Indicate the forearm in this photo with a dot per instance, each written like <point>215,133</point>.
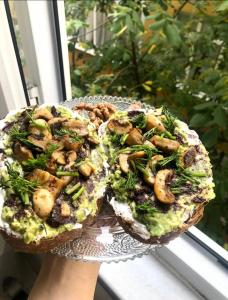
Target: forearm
<point>60,278</point>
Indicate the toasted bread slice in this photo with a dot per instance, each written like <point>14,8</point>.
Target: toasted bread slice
<point>51,177</point>
<point>160,174</point>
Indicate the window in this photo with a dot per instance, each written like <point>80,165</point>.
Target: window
<point>115,49</point>
<point>105,58</point>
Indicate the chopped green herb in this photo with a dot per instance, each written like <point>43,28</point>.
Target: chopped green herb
<point>21,186</point>
<point>78,194</point>
<point>154,131</point>
<point>169,120</point>
<point>41,160</point>
<point>127,183</point>
<point>145,208</point>
<point>168,159</point>
<point>67,173</point>
<point>139,121</point>
<point>148,150</point>
<point>74,136</point>
<point>118,139</point>
<point>73,188</point>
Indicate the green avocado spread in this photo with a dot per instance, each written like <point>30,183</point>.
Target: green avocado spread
<point>31,227</point>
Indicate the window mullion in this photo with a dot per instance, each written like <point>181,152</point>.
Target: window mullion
<point>12,94</point>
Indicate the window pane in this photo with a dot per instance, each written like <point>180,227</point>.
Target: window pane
<point>173,54</point>
<point>19,42</point>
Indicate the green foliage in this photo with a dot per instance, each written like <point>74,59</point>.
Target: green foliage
<point>178,59</point>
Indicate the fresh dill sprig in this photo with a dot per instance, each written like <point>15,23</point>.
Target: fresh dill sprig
<point>168,159</point>
<point>169,120</point>
<point>41,160</point>
<point>184,178</point>
<point>21,186</point>
<point>145,208</point>
<point>154,131</point>
<point>73,135</point>
<point>139,121</point>
<point>127,183</point>
<point>20,136</point>
<point>149,152</point>
<point>118,139</point>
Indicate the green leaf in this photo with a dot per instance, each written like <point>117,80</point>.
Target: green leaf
<point>157,25</point>
<point>154,16</point>
<point>129,23</point>
<point>220,116</point>
<point>223,6</point>
<point>199,119</point>
<point>172,33</point>
<point>202,106</point>
<point>210,138</point>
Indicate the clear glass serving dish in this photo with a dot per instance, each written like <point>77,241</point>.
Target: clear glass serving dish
<point>105,240</point>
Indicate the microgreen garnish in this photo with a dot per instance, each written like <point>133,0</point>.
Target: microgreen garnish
<point>21,186</point>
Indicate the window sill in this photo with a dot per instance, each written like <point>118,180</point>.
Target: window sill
<point>180,270</point>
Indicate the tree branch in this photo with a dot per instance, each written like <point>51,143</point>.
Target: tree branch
<point>180,8</point>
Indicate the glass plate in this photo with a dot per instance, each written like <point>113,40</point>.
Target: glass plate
<point>105,240</point>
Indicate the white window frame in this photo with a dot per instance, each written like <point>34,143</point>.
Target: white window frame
<point>183,255</point>
<point>12,94</point>
<point>38,37</point>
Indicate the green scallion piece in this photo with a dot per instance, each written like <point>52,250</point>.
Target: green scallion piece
<point>66,173</point>
<point>73,188</point>
<point>78,194</point>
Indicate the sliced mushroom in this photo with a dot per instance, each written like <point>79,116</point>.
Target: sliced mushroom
<point>161,188</point>
<point>60,144</point>
<point>42,113</point>
<point>21,152</point>
<point>85,169</point>
<point>136,155</point>
<point>59,157</point>
<point>39,143</point>
<point>187,157</point>
<point>67,179</point>
<point>123,161</point>
<point>70,144</point>
<point>154,160</point>
<point>119,126</point>
<point>149,144</point>
<point>71,156</point>
<point>65,209</point>
<point>93,139</point>
<point>43,202</point>
<point>78,126</point>
<point>154,122</point>
<point>134,137</point>
<point>52,183</point>
<point>51,166</point>
<point>164,143</point>
<point>149,179</point>
<point>56,120</point>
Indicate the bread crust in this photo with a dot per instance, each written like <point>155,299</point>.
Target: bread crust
<point>46,245</point>
<point>166,238</point>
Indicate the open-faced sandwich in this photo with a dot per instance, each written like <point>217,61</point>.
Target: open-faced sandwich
<point>160,173</point>
<point>51,176</point>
